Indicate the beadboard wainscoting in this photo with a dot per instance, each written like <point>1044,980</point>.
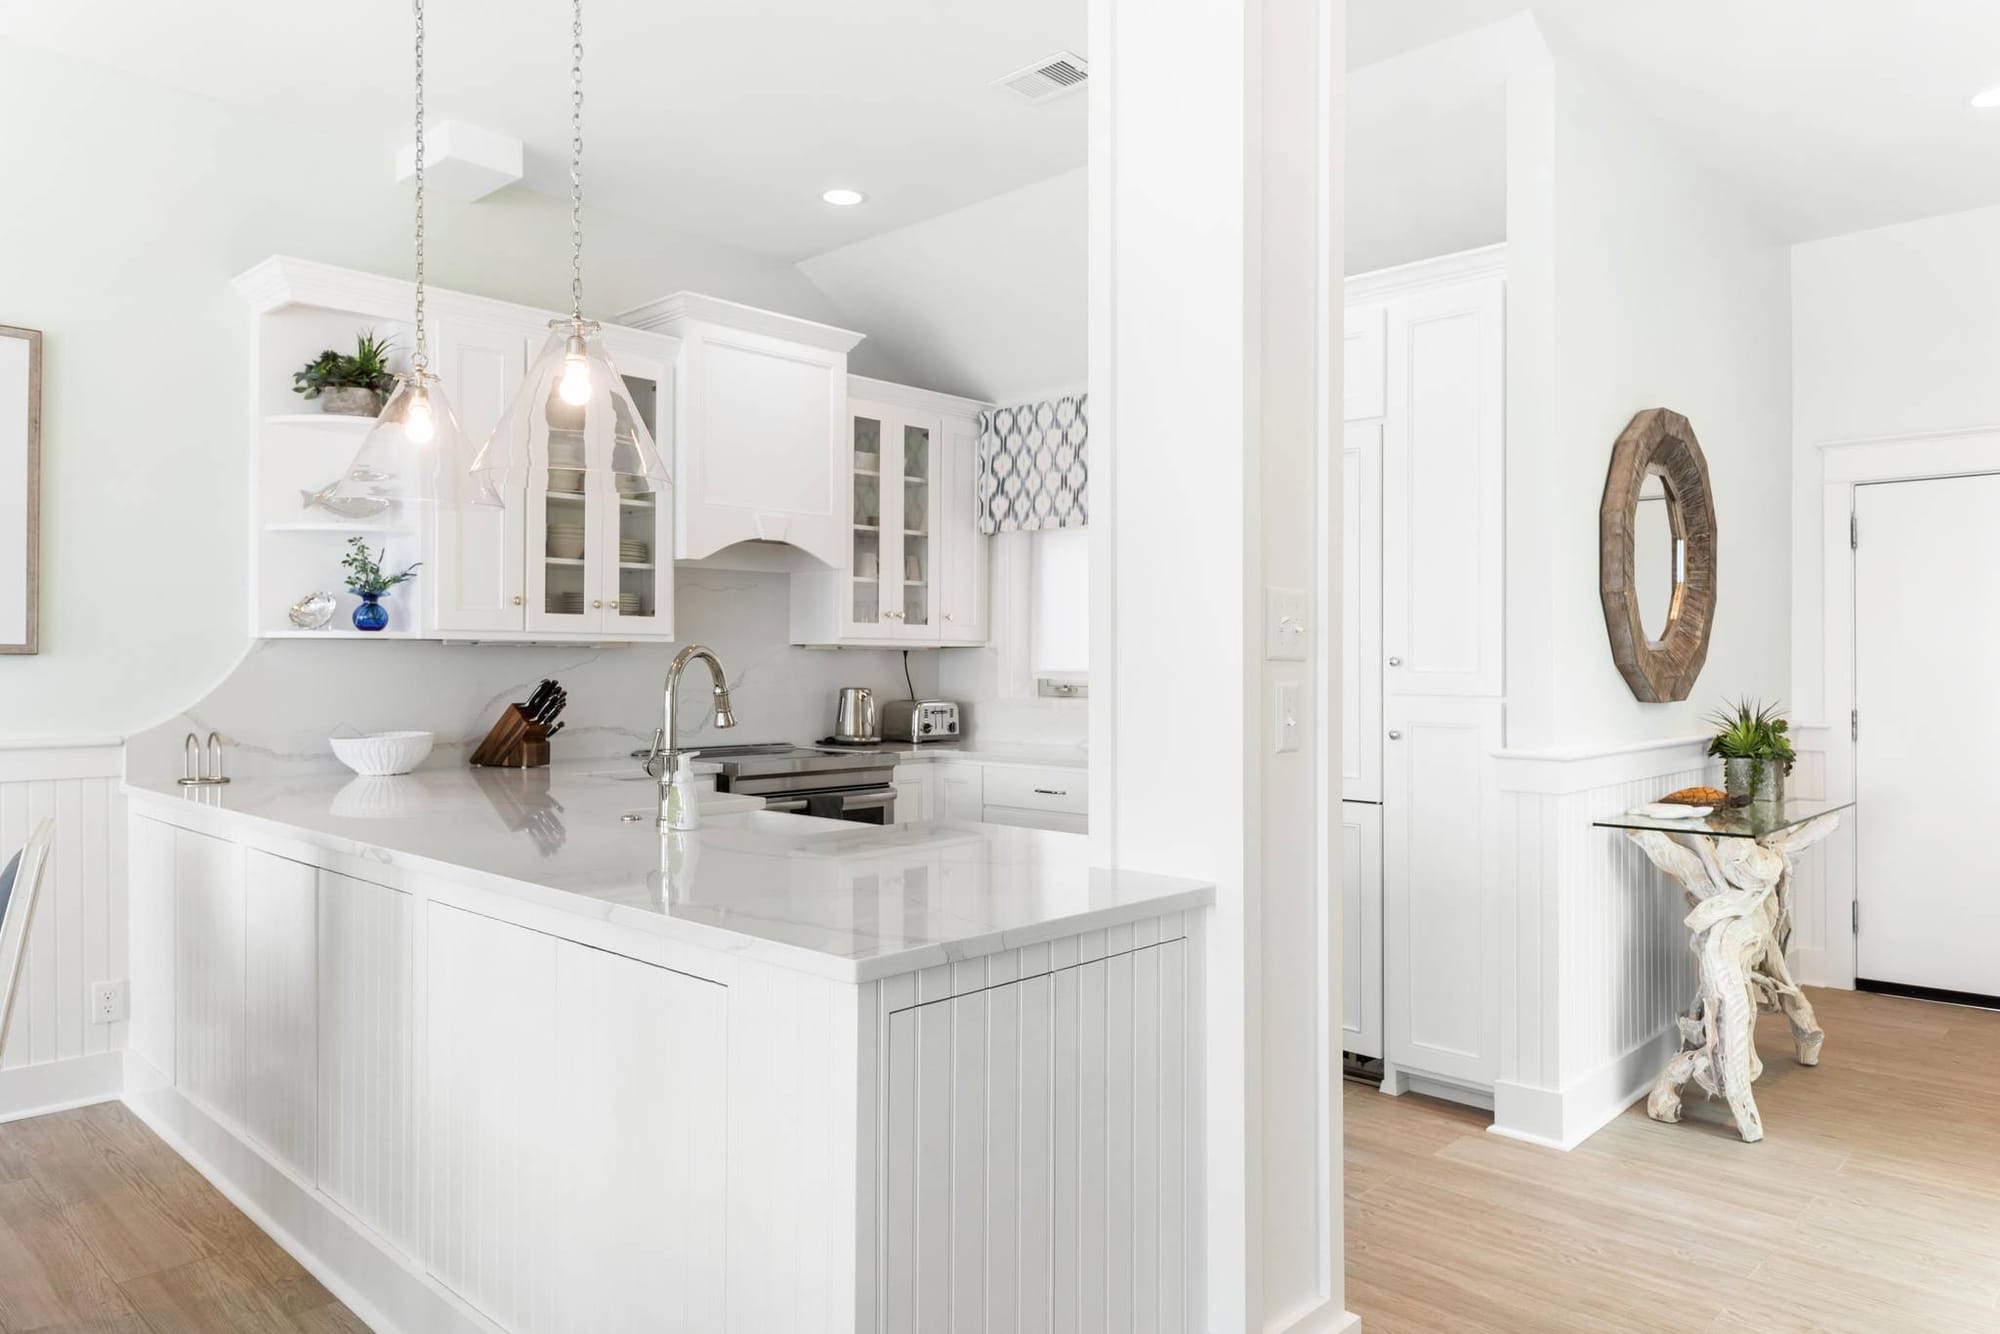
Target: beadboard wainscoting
<point>52,1055</point>
<point>1597,965</point>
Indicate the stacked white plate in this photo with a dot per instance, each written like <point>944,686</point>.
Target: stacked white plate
<point>634,553</point>
<point>629,604</point>
<point>566,604</point>
<point>566,481</point>
<point>566,541</point>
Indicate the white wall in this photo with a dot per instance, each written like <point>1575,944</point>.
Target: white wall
<point>1642,282</point>
<point>1427,153</point>
<point>986,301</point>
<point>129,208</point>
<point>1896,332</point>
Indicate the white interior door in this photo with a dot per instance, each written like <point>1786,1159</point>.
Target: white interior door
<point>1926,581</point>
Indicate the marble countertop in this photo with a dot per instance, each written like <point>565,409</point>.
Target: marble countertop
<point>844,901</point>
<point>1054,757</point>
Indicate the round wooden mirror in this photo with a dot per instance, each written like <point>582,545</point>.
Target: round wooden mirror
<point>1656,556</point>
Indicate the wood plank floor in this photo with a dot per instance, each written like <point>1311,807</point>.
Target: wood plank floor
<point>103,1228</point>
<point>1873,1202</point>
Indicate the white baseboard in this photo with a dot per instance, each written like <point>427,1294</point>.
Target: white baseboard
<point>387,1292</point>
<point>1564,1118</point>
<point>57,1086</point>
<point>1322,1318</point>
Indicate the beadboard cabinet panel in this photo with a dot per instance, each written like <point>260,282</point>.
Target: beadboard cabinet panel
<point>208,974</point>
<point>367,1135</point>
<point>281,1009</point>
<point>1037,1174</point>
<point>1361,927</point>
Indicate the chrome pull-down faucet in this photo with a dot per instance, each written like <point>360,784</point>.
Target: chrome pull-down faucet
<point>666,746</point>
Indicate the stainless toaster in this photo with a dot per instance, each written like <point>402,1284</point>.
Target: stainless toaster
<point>920,720</point>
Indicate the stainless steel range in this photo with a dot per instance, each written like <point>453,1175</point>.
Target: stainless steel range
<point>834,785</point>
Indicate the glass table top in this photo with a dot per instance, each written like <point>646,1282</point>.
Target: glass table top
<point>1754,821</point>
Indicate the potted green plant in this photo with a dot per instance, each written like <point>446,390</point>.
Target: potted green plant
<point>1751,739</point>
<point>366,580</point>
<point>349,385</point>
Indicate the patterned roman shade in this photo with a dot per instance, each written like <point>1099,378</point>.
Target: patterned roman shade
<point>1034,466</point>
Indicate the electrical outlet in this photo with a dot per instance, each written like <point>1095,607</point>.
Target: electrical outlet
<point>108,1003</point>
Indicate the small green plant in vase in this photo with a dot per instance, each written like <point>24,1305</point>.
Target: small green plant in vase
<point>367,581</point>
<point>349,385</point>
<point>1752,740</point>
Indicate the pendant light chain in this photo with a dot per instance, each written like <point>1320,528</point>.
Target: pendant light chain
<point>420,358</point>
<point>575,160</point>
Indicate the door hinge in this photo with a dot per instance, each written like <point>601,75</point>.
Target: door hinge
<point>1854,724</point>
<point>1853,531</point>
<point>1854,917</point>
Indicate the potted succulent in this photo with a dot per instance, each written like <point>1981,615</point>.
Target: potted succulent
<point>355,385</point>
<point>1751,741</point>
<point>366,581</point>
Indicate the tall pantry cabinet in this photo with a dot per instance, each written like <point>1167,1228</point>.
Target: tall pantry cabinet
<point>1423,474</point>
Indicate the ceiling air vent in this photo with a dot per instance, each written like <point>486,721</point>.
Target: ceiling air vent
<point>1049,77</point>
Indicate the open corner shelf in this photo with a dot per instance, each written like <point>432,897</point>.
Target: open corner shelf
<point>331,633</point>
<point>339,526</point>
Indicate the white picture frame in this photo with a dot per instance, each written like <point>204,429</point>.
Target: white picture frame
<point>20,489</point>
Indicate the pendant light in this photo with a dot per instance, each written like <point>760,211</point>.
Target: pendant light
<point>397,463</point>
<point>574,414</point>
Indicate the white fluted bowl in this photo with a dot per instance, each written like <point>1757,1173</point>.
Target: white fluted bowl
<point>382,753</point>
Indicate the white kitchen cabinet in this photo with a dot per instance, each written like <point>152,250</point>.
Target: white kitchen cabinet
<point>761,440</point>
<point>617,581</point>
<point>1443,492</point>
<point>1438,814</point>
<point>589,1200</point>
<point>1361,928</point>
<point>365,1094</point>
<point>960,793</point>
<point>914,799</point>
<point>281,1009</point>
<point>1037,798</point>
<point>208,974</point>
<point>151,859</point>
<point>1361,613</point>
<point>1036,1176</point>
<point>914,571</point>
<point>478,567</point>
<point>964,552</point>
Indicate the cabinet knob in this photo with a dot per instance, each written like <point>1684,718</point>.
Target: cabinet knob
<point>1394,735</point>
<point>1395,662</point>
<point>517,599</point>
<point>597,602</point>
<point>947,616</point>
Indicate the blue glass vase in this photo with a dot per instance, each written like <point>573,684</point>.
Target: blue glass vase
<point>371,614</point>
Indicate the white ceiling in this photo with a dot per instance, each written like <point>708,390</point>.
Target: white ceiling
<point>1831,115</point>
<point>723,117</point>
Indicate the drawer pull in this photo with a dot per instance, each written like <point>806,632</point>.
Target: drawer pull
<point>1051,792</point>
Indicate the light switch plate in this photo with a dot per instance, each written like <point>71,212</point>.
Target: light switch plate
<point>1285,716</point>
<point>1284,625</point>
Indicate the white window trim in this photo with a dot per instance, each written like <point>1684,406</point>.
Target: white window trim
<point>1013,576</point>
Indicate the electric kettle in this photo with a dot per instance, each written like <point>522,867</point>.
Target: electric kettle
<point>854,717</point>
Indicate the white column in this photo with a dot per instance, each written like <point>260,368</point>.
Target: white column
<point>1215,289</point>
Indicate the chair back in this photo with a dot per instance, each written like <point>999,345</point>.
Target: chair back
<point>20,886</point>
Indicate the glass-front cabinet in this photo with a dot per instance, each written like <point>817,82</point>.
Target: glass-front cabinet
<point>891,570</point>
<point>599,549</point>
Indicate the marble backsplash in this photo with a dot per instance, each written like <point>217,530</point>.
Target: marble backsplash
<point>282,701</point>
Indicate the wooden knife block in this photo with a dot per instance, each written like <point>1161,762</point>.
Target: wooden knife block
<point>516,742</point>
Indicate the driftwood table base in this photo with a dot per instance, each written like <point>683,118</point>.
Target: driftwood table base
<point>1739,895</point>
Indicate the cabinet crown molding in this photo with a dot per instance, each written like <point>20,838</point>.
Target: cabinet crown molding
<point>909,396</point>
<point>671,313</point>
<point>1427,274</point>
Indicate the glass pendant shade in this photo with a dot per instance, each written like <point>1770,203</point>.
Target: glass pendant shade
<point>573,419</point>
<point>397,464</point>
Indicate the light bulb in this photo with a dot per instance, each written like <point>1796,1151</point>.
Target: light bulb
<point>575,385</point>
<point>419,422</point>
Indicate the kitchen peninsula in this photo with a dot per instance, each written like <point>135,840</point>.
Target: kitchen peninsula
<point>490,1052</point>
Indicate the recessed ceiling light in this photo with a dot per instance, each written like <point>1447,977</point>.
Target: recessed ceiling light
<point>1988,98</point>
<point>843,198</point>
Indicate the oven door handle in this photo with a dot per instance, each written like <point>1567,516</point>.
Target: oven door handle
<point>794,805</point>
<point>868,801</point>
